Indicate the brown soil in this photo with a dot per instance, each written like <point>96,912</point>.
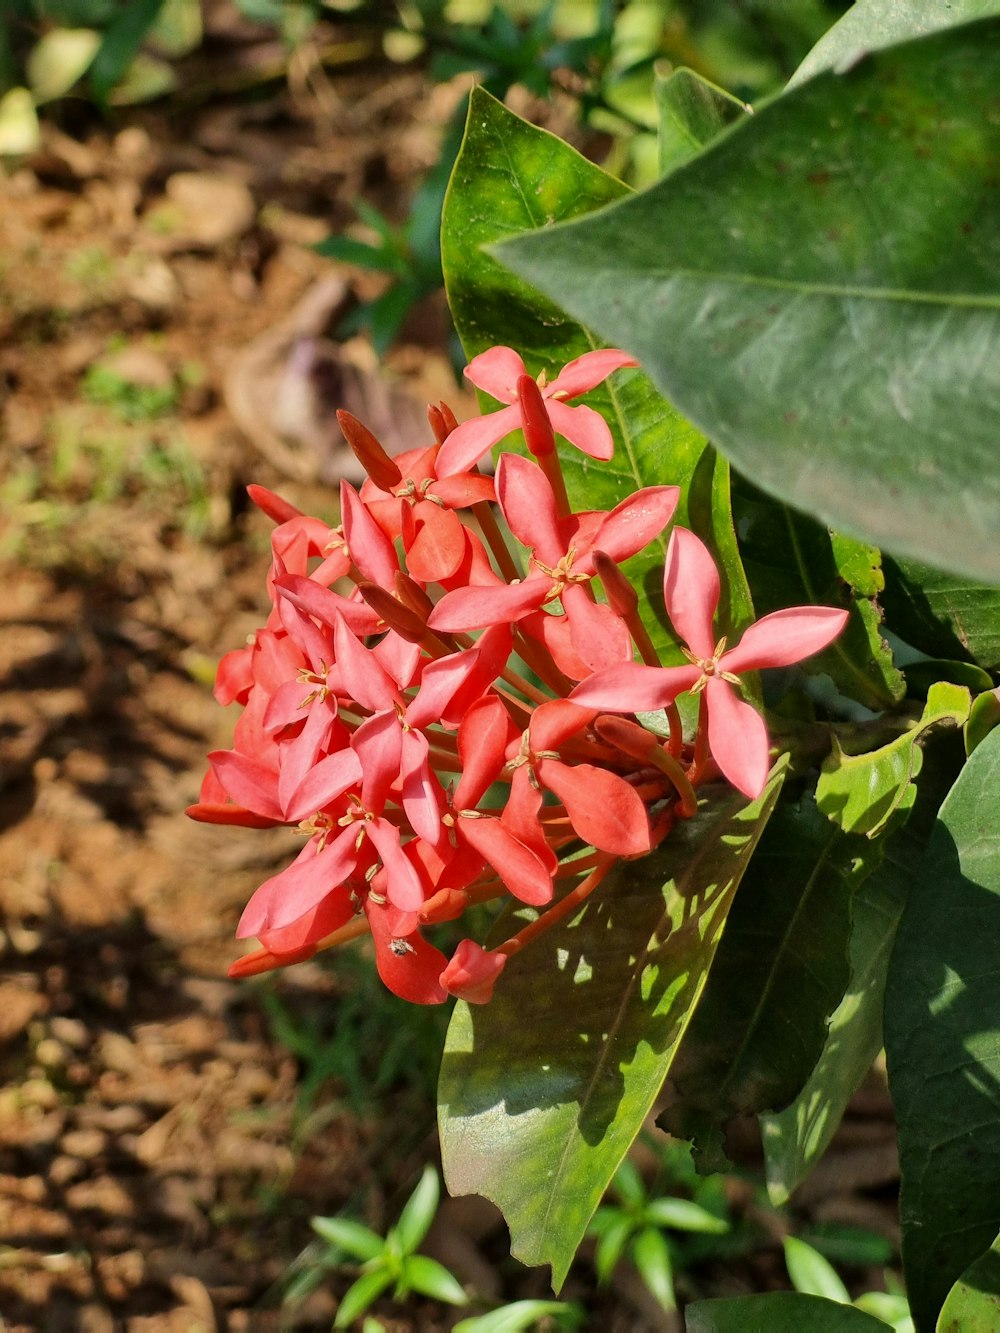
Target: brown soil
<point>158,1165</point>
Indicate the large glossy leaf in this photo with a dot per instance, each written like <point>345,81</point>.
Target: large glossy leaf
<point>941,614</point>
<point>791,559</point>
<point>778,1310</point>
<point>822,297</point>
<point>543,1090</point>
<point>511,178</point>
<point>973,1304</point>
<point>780,972</point>
<point>942,1036</point>
<point>871,24</point>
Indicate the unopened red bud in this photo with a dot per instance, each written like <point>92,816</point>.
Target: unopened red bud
<point>410,593</point>
<point>372,457</point>
<point>263,960</point>
<point>622,597</point>
<point>277,509</point>
<point>627,736</point>
<point>445,905</point>
<point>535,423</point>
<point>442,421</point>
<point>405,622</point>
<point>472,972</point>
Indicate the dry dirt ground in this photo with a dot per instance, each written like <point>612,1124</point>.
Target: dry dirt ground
<point>162,334</point>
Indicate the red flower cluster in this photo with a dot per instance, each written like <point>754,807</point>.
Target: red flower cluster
<point>388,718</point>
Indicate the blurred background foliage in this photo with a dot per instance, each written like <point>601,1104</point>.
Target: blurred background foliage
<point>60,57</point>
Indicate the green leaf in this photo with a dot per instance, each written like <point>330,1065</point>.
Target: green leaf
<point>811,1273</point>
<point>652,1258</point>
<point>984,715</point>
<point>512,178</point>
<point>973,1304</point>
<point>891,1307</point>
<point>552,1080</point>
<point>942,615</point>
<point>418,1211</point>
<point>792,560</point>
<point>522,1315</point>
<point>942,1035</point>
<point>19,130</point>
<point>796,1138</point>
<point>628,1185</point>
<point>778,1310</point>
<point>432,1279</point>
<point>352,1237</point>
<point>58,59</point>
<point>611,1246</point>
<point>861,792</point>
<point>780,971</point>
<point>923,675</point>
<point>360,1295</point>
<point>692,112</point>
<point>686,1215</point>
<point>870,25</point>
<point>120,45</point>
<point>805,287</point>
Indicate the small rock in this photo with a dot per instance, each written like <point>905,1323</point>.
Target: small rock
<point>19,1003</point>
<point>212,209</point>
<point>70,1031</point>
<point>83,1143</point>
<point>64,1170</point>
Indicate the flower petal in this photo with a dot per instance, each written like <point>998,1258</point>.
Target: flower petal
<point>518,866</point>
<point>323,783</point>
<point>468,442</point>
<point>248,782</point>
<point>632,688</point>
<point>583,427</point>
<point>482,740</point>
<point>602,807</point>
<point>408,965</point>
<point>785,637</point>
<point>286,896</point>
<point>585,372</point>
<point>438,544</point>
<point>474,608</point>
<point>737,739</point>
<point>529,507</point>
<point>496,372</point>
<point>691,591</point>
<point>634,523</point>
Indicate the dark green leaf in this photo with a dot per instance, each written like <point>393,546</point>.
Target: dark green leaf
<point>122,38</point>
<point>628,1185</point>
<point>942,615</point>
<point>778,1310</point>
<point>973,1304</point>
<point>942,1035</point>
<point>792,560</point>
<point>861,792</point>
<point>871,24</point>
<point>692,112</point>
<point>923,675</point>
<point>432,1279</point>
<point>806,287</point>
<point>512,178</point>
<point>780,971</point>
<point>796,1138</point>
<point>552,1080</point>
<point>811,1273</point>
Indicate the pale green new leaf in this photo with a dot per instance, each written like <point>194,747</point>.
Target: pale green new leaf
<point>860,793</point>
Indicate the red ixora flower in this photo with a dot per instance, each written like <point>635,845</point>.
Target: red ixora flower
<point>737,737</point>
<point>497,372</point>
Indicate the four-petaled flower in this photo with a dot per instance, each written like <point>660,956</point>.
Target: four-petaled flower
<point>497,371</point>
<point>737,737</point>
